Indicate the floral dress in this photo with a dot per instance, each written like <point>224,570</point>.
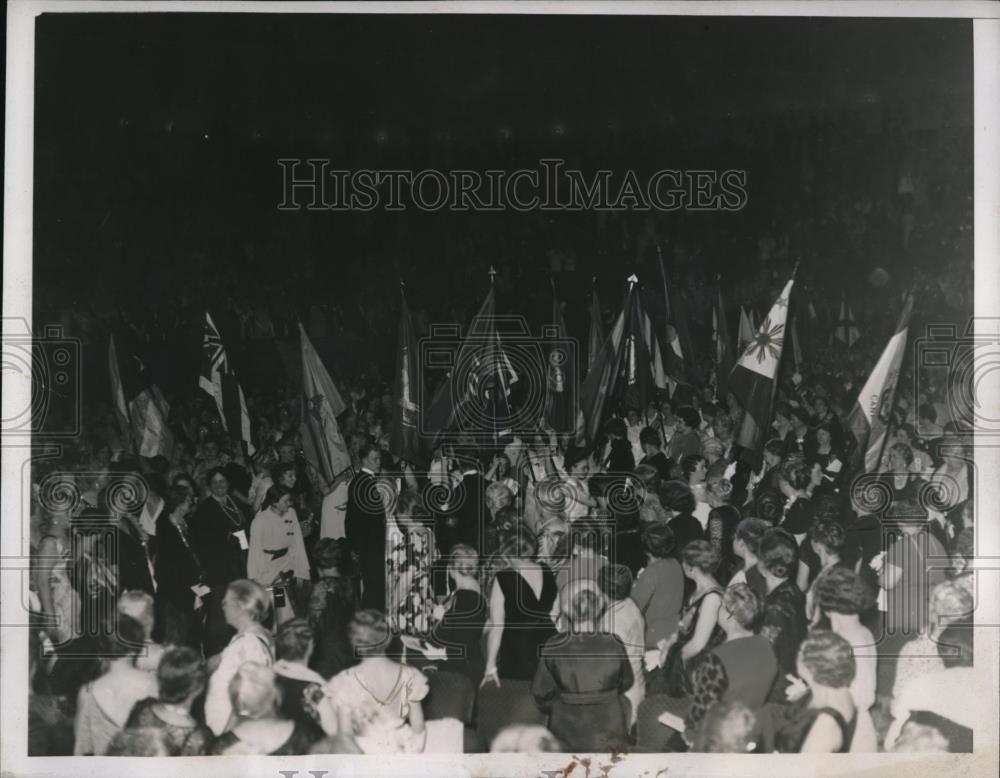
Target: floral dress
<point>411,590</point>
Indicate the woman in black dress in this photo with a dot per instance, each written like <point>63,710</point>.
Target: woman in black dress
<point>179,611</point>
<point>798,514</point>
<point>460,629</point>
<point>332,604</point>
<point>522,619</point>
<point>825,719</point>
<point>219,531</point>
<point>903,484</point>
<point>699,629</point>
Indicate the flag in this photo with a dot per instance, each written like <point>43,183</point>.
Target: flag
<point>754,377</point>
<point>476,392</point>
<point>118,399</point>
<point>723,347</point>
<point>561,379</point>
<point>796,346</point>
<point>678,344</point>
<point>624,371</point>
<point>600,380</point>
<point>404,435</point>
<point>219,380</point>
<point>139,404</point>
<point>869,419</point>
<point>322,442</point>
<point>596,340</point>
<point>661,378</point>
<point>746,331</point>
<point>846,331</point>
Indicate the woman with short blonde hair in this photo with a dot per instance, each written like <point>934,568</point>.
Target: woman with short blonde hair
<point>583,674</point>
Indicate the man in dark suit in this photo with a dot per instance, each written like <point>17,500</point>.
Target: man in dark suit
<point>364,525</point>
<point>470,498</point>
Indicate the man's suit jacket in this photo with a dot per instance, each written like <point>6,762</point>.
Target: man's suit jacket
<point>364,529</point>
<point>471,493</point>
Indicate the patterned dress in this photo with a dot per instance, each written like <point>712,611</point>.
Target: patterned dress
<point>411,591</point>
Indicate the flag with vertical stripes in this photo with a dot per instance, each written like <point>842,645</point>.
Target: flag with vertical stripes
<point>869,419</point>
<point>219,380</point>
<point>755,375</point>
<point>139,404</point>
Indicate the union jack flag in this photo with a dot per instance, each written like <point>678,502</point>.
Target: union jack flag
<point>220,382</point>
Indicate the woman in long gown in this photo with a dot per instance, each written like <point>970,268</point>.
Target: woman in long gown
<point>409,566</point>
<point>522,618</point>
<point>377,702</point>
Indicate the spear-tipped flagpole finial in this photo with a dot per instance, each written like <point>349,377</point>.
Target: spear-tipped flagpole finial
<point>632,280</point>
<point>492,274</point>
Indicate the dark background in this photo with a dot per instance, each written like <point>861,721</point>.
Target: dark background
<point>156,183</point>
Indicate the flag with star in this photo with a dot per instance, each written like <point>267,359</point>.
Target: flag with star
<point>322,442</point>
<point>754,377</point>
<point>219,380</point>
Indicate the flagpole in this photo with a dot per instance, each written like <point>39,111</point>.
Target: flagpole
<point>666,297</point>
<point>492,273</point>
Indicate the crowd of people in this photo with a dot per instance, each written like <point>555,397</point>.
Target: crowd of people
<point>648,593</point>
<point>651,593</point>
